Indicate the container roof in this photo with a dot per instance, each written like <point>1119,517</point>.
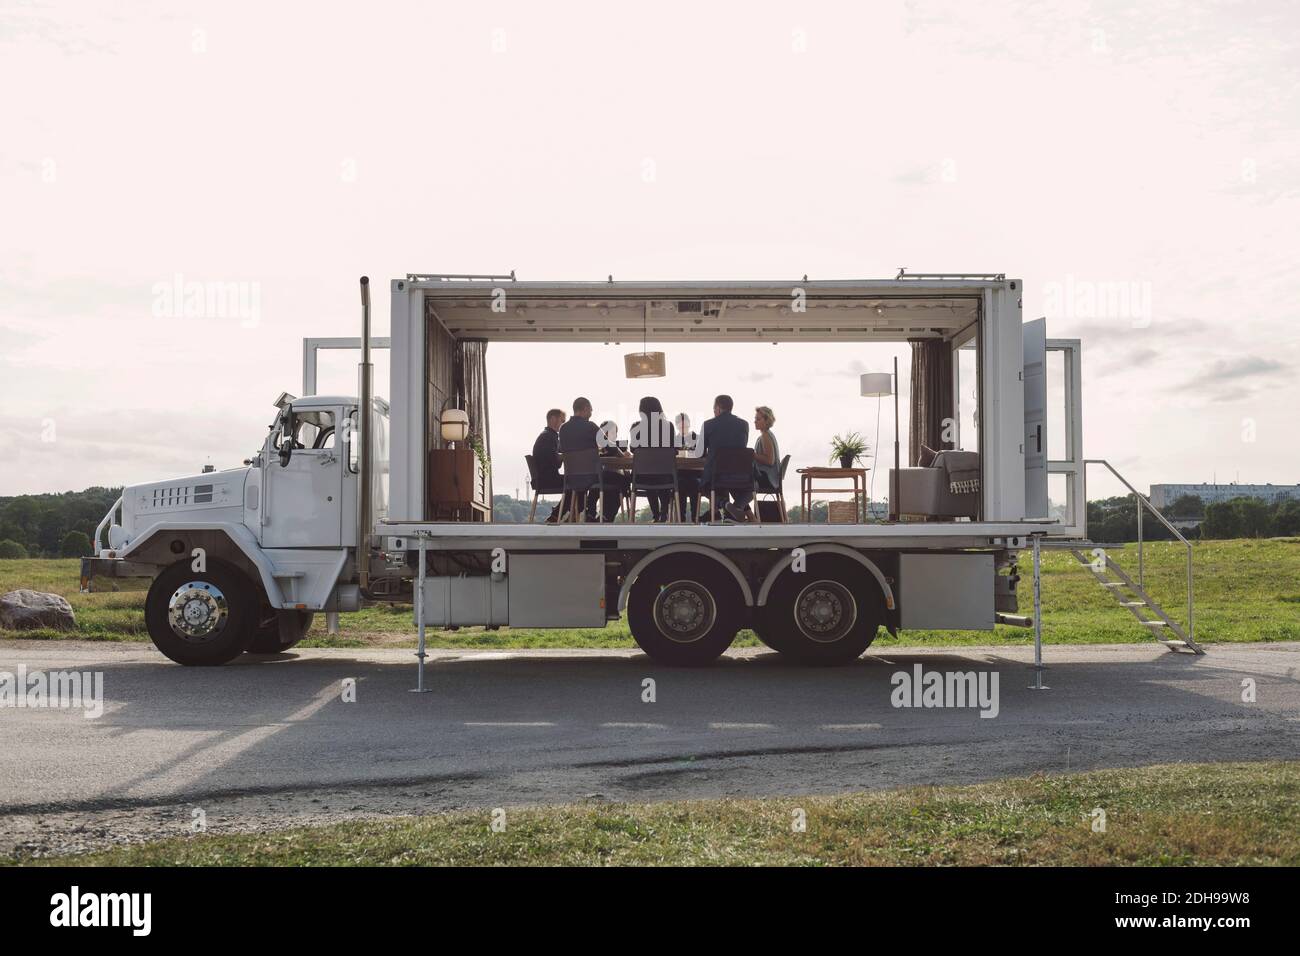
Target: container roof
<point>714,311</point>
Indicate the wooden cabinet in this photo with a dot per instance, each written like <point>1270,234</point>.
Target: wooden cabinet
<point>457,486</point>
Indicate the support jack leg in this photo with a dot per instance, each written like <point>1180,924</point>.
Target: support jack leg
<point>1039,666</point>
<point>419,687</point>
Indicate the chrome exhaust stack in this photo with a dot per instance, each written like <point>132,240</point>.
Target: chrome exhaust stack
<point>365,501</point>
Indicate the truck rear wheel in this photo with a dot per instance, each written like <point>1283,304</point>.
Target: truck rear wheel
<point>827,614</point>
<point>684,611</point>
<point>201,618</point>
<point>281,632</point>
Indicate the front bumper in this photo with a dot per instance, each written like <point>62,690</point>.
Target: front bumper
<point>132,572</point>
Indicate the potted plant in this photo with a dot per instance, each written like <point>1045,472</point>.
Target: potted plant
<point>480,453</point>
<point>848,449</point>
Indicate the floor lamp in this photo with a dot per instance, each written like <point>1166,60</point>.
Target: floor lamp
<point>877,385</point>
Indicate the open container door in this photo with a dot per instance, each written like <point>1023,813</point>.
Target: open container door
<point>1035,445</point>
<point>1074,521</point>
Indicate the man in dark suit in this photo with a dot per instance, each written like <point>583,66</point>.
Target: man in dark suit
<point>546,456</point>
<point>723,430</point>
<point>579,433</point>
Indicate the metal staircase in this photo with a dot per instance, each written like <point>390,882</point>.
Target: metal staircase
<point>1132,594</point>
<point>1135,599</point>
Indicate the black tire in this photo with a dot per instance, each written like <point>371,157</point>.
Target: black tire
<point>767,630</point>
<point>220,610</point>
<point>684,611</point>
<point>826,615</point>
<point>283,631</point>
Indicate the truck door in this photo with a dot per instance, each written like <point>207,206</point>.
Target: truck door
<point>1035,445</point>
<point>302,501</point>
<point>1065,465</point>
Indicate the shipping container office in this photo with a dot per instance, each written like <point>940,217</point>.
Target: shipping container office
<point>929,571</point>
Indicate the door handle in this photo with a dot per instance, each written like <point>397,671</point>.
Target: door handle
<point>1040,439</point>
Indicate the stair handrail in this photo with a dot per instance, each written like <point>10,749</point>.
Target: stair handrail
<point>1145,502</point>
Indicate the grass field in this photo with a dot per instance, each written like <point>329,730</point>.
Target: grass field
<point>1186,814</point>
<point>1247,590</point>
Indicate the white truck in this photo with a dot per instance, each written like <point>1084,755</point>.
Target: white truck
<point>337,507</point>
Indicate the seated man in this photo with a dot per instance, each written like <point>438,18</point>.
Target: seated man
<point>579,433</point>
<point>723,430</point>
<point>546,456</point>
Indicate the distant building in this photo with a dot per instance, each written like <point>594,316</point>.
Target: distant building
<point>1162,496</point>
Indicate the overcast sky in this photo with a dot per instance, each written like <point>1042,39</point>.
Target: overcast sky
<point>1082,147</point>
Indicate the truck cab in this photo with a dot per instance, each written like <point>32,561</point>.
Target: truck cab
<point>307,476</point>
<point>241,559</point>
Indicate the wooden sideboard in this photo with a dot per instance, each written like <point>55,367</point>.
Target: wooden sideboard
<point>458,489</point>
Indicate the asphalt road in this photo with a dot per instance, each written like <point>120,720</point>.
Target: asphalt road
<point>270,741</point>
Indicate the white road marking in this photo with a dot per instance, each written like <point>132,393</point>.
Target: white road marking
<point>619,725</point>
<point>509,723</point>
<point>730,726</point>
<point>850,727</point>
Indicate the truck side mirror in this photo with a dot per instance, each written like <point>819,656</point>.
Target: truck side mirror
<point>285,422</point>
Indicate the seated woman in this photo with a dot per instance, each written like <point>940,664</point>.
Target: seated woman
<point>653,430</point>
<point>767,453</point>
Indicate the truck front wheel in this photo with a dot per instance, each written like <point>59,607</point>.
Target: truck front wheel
<point>684,611</point>
<point>201,618</point>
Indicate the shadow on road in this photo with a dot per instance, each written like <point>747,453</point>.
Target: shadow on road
<point>271,724</point>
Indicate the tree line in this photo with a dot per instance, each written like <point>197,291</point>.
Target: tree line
<point>1115,519</point>
<point>61,525</point>
<point>52,526</point>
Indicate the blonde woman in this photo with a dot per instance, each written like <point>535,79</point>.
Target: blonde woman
<point>767,453</point>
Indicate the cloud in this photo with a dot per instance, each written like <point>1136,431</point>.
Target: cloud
<point>1126,362</point>
<point>1116,333</point>
<point>1229,395</point>
<point>1241,367</point>
<point>1234,379</point>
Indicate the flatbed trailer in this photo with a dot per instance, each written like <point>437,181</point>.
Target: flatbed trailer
<point>339,505</point>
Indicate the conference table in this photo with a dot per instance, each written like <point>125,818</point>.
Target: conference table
<point>610,463</point>
<point>686,464</point>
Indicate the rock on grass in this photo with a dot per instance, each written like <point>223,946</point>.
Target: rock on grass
<point>27,610</point>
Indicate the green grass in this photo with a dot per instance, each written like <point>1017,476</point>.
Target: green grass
<point>1187,814</point>
<point>1247,590</point>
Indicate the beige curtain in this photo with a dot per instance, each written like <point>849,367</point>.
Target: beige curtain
<point>472,390</point>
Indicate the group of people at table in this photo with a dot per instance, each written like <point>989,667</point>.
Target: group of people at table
<point>564,435</point>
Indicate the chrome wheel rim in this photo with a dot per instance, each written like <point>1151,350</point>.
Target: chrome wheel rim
<point>825,611</point>
<point>197,611</point>
<point>684,611</point>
